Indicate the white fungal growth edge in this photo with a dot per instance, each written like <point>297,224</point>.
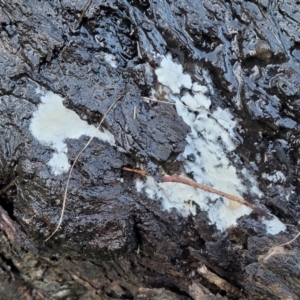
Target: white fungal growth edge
<point>274,225</point>
<point>277,176</point>
<point>211,140</point>
<point>52,123</point>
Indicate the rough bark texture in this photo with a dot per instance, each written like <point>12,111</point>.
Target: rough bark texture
<point>115,243</point>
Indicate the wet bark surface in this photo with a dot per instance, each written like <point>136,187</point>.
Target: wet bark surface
<point>115,243</point>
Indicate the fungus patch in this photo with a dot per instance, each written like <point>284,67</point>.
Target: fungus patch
<point>275,177</point>
<point>52,123</point>
<point>274,225</point>
<point>209,156</point>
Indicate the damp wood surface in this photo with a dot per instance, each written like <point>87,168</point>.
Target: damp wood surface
<point>114,241</point>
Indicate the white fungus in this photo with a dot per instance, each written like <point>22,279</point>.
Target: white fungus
<point>277,176</point>
<point>52,124</point>
<point>274,226</point>
<point>111,60</point>
<point>175,79</point>
<point>210,143</point>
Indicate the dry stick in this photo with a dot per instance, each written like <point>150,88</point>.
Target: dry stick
<point>292,240</point>
<point>72,167</point>
<point>279,248</point>
<point>189,182</point>
<point>179,179</point>
<point>141,172</point>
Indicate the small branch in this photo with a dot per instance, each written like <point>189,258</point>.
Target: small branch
<point>292,240</point>
<point>179,179</point>
<point>141,172</point>
<point>280,248</point>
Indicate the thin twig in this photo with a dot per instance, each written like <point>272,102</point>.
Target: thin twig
<point>141,172</point>
<point>72,167</point>
<point>275,249</point>
<point>292,240</point>
<point>179,179</point>
<point>280,249</point>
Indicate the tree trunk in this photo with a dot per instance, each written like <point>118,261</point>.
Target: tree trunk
<point>163,78</point>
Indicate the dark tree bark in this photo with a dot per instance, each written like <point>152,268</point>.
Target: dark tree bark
<point>116,242</point>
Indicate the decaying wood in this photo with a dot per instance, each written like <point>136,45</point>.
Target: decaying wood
<point>198,292</point>
<point>218,281</point>
<point>7,225</point>
<point>196,254</point>
<point>7,187</point>
<point>116,244</point>
<point>159,294</point>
